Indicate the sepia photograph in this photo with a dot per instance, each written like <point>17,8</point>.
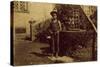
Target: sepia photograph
<point>52,33</point>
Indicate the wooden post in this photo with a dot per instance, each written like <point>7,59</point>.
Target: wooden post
<point>93,46</point>
<point>31,23</point>
<point>30,30</point>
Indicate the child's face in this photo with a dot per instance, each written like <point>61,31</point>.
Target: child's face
<point>54,16</point>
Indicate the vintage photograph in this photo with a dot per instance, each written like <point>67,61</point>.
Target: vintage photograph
<point>51,33</point>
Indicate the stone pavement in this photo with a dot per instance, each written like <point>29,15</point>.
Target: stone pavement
<point>28,52</point>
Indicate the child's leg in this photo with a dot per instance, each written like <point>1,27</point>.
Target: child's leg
<point>53,45</point>
<point>57,44</point>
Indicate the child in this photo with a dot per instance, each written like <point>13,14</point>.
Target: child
<point>55,27</point>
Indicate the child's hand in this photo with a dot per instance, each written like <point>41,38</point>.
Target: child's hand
<point>48,37</point>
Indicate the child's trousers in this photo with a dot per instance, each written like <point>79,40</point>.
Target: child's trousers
<point>55,43</point>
